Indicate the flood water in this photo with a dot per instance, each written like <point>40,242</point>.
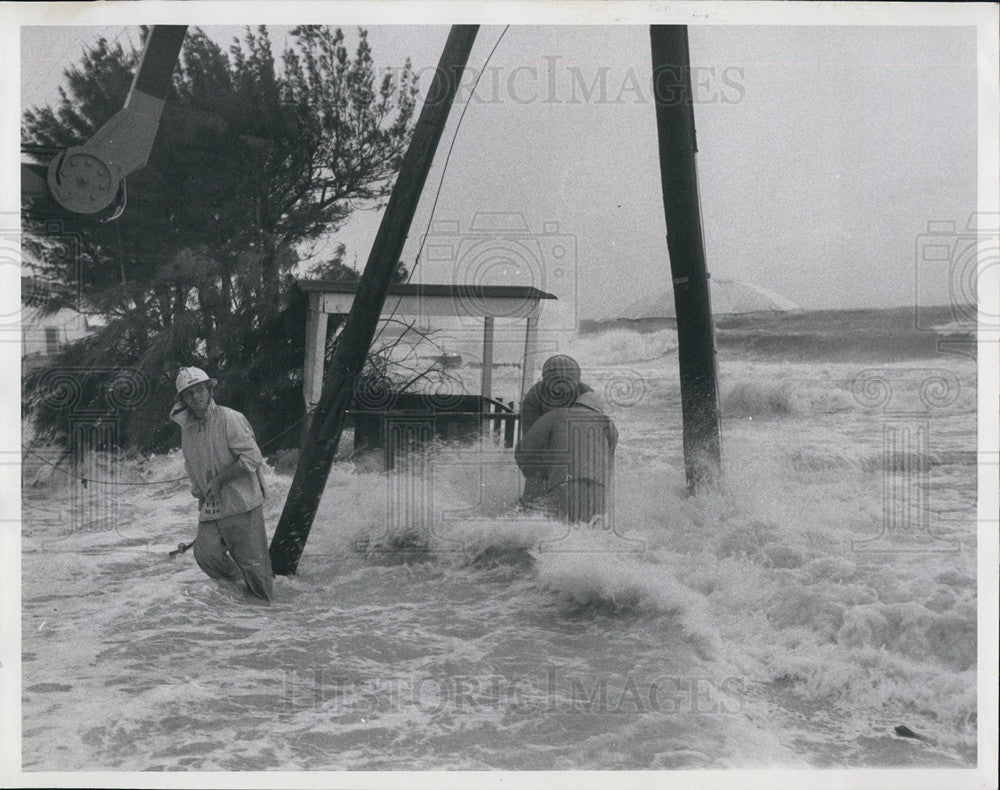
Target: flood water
<point>825,595</point>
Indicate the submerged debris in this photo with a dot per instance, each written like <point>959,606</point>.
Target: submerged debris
<point>905,732</point>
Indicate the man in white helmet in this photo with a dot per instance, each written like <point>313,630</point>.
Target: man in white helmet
<point>223,462</point>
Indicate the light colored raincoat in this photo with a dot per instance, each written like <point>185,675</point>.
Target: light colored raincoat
<point>210,446</point>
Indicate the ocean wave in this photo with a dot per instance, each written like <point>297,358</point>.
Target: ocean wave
<point>618,345</point>
<point>831,344</point>
<point>759,399</point>
<point>912,629</point>
<point>760,577</point>
<point>606,579</point>
<point>964,328</point>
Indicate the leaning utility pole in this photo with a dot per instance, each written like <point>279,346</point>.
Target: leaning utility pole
<point>686,245</point>
<point>327,420</point>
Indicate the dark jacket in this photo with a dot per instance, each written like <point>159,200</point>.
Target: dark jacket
<point>542,398</point>
<point>575,442</point>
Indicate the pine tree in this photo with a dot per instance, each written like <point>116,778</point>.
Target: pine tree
<point>249,162</point>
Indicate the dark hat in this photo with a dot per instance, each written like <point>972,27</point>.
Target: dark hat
<point>561,367</point>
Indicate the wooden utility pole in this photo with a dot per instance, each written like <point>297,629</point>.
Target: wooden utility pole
<point>327,420</point>
<point>685,243</point>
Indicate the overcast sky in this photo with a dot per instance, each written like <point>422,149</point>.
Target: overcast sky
<point>823,154</point>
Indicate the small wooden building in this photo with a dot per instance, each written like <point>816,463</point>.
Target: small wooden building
<point>487,302</point>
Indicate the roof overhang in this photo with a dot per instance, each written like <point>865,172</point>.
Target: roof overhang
<point>495,301</point>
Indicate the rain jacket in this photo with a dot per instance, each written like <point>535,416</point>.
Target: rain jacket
<point>542,398</point>
<point>571,443</point>
<point>210,446</point>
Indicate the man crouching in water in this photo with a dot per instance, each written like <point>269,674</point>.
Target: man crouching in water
<point>571,449</point>
<point>223,462</point>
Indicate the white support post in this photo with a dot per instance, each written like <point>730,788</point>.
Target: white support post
<point>312,370</point>
<point>486,386</point>
<point>486,381</point>
<point>528,364</point>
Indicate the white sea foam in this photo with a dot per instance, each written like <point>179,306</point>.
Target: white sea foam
<point>837,621</point>
<point>622,346</point>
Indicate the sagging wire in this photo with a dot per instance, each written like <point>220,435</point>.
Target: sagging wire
<point>386,322</point>
<point>87,480</point>
<point>444,171</point>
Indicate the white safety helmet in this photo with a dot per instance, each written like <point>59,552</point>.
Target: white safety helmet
<point>188,377</point>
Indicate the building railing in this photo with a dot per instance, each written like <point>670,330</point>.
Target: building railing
<point>409,426</point>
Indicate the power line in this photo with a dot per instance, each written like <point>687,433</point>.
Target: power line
<point>87,480</point>
<point>437,195</point>
<point>444,170</point>
<point>99,482</point>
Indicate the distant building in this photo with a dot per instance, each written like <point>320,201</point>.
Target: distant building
<point>43,335</point>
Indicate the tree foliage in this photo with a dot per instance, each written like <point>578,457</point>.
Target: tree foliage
<point>250,162</point>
